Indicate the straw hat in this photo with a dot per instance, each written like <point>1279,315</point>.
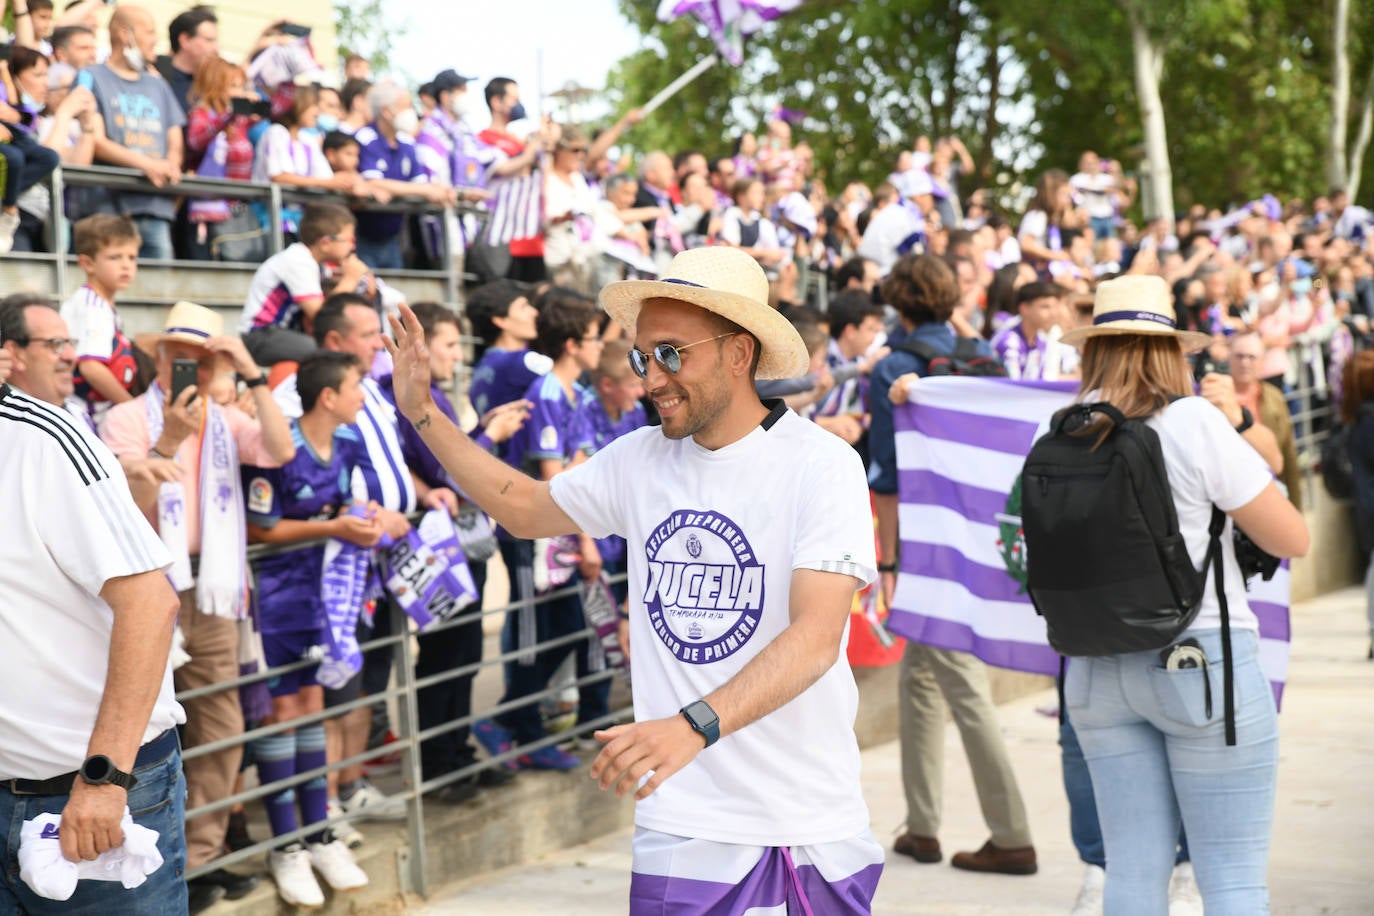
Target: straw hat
<point>1135,304</point>
<point>725,281</point>
<point>191,323</point>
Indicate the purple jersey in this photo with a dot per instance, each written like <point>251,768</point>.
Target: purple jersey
<point>306,488</point>
<point>555,429</point>
<point>502,376</point>
<point>599,430</point>
<point>377,159</point>
<point>1022,359</point>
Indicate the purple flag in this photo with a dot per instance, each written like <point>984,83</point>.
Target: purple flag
<point>728,21</point>
<point>961,443</point>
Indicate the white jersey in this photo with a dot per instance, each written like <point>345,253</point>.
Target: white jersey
<point>70,526</point>
<point>713,539</point>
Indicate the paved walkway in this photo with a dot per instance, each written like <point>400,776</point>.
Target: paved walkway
<point>1323,852</point>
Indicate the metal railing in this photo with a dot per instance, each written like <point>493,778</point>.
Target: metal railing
<point>273,197</point>
<point>409,736</point>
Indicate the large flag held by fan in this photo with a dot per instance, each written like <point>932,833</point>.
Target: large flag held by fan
<point>961,584</point>
<point>728,21</point>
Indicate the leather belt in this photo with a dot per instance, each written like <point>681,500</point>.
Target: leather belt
<point>62,785</point>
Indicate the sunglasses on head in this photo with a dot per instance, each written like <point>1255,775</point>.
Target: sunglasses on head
<point>667,356</point>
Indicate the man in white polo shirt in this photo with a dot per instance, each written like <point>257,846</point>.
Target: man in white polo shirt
<point>743,564</point>
<point>87,714</point>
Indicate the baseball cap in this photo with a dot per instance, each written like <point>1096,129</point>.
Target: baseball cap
<point>445,80</point>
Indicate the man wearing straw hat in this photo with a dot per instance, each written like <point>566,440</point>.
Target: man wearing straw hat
<point>748,532</point>
<point>183,457</point>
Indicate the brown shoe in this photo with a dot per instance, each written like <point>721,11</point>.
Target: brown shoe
<point>996,859</point>
<point>924,849</point>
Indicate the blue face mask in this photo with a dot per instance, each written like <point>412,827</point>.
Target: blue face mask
<point>518,112</point>
<point>29,102</point>
<point>325,123</point>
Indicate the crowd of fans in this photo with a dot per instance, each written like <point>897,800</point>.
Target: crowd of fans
<point>1285,290</point>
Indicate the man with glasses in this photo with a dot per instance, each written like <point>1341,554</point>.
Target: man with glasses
<point>748,531</point>
<point>87,715</point>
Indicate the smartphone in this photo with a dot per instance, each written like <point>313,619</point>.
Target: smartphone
<point>184,375</point>
<point>242,106</point>
<point>5,52</point>
<point>295,31</point>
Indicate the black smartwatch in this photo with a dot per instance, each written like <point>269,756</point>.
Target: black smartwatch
<point>1247,420</point>
<point>703,720</point>
<point>99,770</point>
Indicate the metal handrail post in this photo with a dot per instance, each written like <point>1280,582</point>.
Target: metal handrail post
<point>453,262</point>
<point>274,215</point>
<point>58,221</point>
<point>412,862</point>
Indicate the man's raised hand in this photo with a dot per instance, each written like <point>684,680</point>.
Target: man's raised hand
<point>411,378</point>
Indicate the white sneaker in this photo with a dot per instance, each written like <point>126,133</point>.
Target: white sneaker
<point>1089,902</point>
<point>372,803</point>
<point>336,863</point>
<point>1184,897</point>
<point>296,883</point>
<point>9,225</point>
<point>343,830</point>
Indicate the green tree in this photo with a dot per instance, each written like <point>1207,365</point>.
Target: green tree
<point>361,28</point>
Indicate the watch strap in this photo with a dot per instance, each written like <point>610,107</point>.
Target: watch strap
<point>1247,420</point>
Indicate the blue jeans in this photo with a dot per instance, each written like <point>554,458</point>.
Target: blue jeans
<point>1156,756</point>
<point>157,802</point>
<point>157,238</point>
<point>26,162</point>
<point>381,254</point>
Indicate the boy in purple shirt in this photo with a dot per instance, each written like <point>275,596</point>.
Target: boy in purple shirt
<point>1021,344</point>
<point>305,499</point>
<point>505,321</point>
<point>552,439</point>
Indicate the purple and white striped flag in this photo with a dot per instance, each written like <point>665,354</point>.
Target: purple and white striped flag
<point>960,446</point>
<point>728,21</point>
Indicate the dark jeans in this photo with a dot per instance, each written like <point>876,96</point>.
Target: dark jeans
<point>269,346</point>
<point>381,254</point>
<point>26,162</point>
<point>1078,786</point>
<point>157,802</point>
<point>553,618</point>
<point>446,701</point>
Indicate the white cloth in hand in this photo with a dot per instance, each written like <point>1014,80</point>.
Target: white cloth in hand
<point>50,875</point>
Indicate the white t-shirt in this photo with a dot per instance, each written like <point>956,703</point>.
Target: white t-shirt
<point>70,526</point>
<point>277,288</point>
<point>278,154</point>
<point>887,230</point>
<point>713,538</point>
<point>1094,193</point>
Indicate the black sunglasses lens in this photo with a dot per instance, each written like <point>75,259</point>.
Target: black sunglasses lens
<point>668,357</point>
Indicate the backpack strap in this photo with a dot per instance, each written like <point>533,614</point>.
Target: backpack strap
<point>920,348</point>
<point>1214,557</point>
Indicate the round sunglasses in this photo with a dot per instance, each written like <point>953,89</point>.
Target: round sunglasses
<point>667,356</point>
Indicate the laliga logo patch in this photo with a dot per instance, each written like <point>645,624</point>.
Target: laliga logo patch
<point>259,496</point>
<point>705,586</point>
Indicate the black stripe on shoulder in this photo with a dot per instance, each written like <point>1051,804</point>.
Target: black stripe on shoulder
<point>62,428</point>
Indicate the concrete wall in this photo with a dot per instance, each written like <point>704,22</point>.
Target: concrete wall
<point>1334,561</point>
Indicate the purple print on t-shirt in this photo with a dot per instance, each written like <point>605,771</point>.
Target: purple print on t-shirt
<point>705,589</point>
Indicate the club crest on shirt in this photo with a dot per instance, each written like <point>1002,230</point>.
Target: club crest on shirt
<point>259,496</point>
<point>704,594</point>
<point>548,439</point>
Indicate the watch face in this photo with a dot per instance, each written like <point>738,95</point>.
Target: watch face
<point>97,769</point>
<point>701,713</point>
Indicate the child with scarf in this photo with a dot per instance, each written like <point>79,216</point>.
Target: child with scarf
<point>309,600</point>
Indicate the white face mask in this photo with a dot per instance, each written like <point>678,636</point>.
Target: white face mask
<point>406,122</point>
<point>459,105</point>
<point>134,57</point>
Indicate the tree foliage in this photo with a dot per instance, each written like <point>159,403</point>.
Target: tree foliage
<point>361,28</point>
<point>1027,86</point>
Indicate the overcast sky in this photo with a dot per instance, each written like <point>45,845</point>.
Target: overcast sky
<point>580,41</point>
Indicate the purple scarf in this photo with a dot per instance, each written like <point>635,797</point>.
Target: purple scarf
<point>342,583</point>
<point>427,573</point>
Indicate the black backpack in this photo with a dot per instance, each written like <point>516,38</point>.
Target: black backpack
<point>1107,566</point>
<point>1338,468</point>
<point>964,360</point>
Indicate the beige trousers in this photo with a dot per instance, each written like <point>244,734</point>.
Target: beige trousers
<point>931,681</point>
<point>213,643</point>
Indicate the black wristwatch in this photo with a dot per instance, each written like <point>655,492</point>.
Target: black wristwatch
<point>1247,420</point>
<point>703,720</point>
<point>99,770</point>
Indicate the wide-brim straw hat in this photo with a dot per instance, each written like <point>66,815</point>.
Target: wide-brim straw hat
<point>1135,304</point>
<point>731,284</point>
<point>190,323</point>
